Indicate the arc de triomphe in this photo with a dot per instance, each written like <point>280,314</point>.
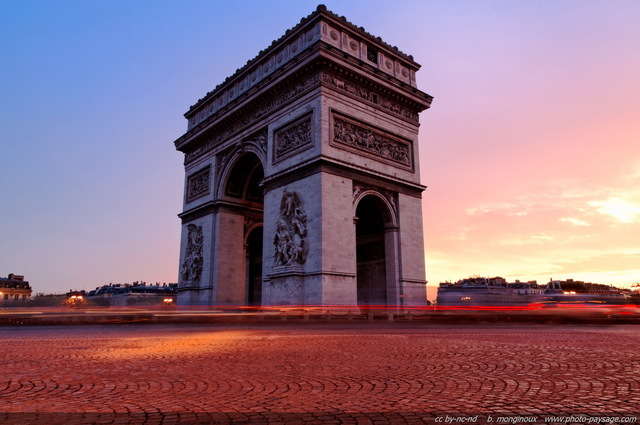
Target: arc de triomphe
<point>302,182</point>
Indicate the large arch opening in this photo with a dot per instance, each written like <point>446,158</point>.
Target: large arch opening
<point>244,180</point>
<point>243,191</point>
<point>372,252</point>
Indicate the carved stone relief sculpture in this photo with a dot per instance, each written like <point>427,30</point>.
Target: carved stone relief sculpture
<point>191,268</point>
<point>222,160</point>
<point>358,188</point>
<point>198,184</point>
<point>249,222</point>
<point>291,231</point>
<point>258,139</point>
<point>261,139</point>
<point>292,138</point>
<point>370,141</point>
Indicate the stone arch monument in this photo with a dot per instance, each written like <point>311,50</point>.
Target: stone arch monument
<point>302,182</point>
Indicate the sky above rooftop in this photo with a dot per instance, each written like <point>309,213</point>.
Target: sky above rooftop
<point>530,151</point>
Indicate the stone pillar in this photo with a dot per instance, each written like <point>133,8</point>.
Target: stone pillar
<point>230,278</point>
<point>196,253</point>
<point>394,285</point>
<point>412,251</point>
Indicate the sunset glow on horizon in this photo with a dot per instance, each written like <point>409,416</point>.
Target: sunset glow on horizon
<point>530,151</point>
<point>544,181</point>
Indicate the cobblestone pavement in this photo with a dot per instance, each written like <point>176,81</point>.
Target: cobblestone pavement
<point>299,373</point>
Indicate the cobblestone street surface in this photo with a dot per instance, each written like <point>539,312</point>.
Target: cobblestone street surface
<point>299,373</point>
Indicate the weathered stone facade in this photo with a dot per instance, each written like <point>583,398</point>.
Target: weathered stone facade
<point>302,178</point>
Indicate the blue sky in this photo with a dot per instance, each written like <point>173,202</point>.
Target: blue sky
<point>530,151</point>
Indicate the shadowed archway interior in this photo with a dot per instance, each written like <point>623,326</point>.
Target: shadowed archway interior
<point>244,184</point>
<point>370,252</point>
<point>254,267</point>
<point>244,179</point>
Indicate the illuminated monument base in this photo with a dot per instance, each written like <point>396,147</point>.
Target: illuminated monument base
<point>302,181</point>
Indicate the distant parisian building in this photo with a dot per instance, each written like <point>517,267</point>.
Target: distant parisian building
<point>580,287</point>
<point>14,288</point>
<point>137,293</point>
<point>481,291</point>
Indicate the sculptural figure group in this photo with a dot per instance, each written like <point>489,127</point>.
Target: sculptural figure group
<point>291,231</point>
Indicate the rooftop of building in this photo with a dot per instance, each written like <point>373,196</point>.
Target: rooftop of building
<point>14,277</point>
<point>15,281</point>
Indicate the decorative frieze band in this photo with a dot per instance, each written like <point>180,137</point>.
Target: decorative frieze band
<point>363,138</point>
<point>199,184</point>
<point>368,95</point>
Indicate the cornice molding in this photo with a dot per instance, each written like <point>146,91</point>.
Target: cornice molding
<point>224,125</point>
<point>211,207</point>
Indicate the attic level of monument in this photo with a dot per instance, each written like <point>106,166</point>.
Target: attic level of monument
<point>302,176</point>
<point>329,51</point>
<point>276,48</point>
